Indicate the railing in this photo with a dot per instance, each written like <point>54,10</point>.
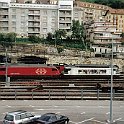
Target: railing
<point>58,93</point>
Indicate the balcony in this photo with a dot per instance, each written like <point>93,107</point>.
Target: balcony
<point>34,13</point>
<point>33,25</point>
<point>3,13</point>
<point>64,27</point>
<point>64,21</point>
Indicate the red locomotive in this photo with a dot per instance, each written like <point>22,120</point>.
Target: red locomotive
<point>31,71</point>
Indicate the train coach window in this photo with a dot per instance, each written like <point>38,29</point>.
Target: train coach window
<point>79,71</point>
<point>67,70</point>
<point>2,69</point>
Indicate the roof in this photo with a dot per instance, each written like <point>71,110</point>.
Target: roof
<point>89,65</point>
<point>91,5</point>
<point>17,112</point>
<point>116,11</point>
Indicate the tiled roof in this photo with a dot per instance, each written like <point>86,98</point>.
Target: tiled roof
<point>99,6</point>
<point>91,5</point>
<point>116,11</point>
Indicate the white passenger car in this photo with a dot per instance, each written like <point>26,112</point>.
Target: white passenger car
<point>19,117</point>
<point>90,70</point>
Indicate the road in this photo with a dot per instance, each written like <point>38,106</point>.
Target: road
<point>79,111</point>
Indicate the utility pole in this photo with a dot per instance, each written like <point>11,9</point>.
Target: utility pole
<point>111,94</point>
<point>6,65</point>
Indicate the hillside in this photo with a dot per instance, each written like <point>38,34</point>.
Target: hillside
<point>117,4</point>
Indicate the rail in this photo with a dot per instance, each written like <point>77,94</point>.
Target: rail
<point>58,93</point>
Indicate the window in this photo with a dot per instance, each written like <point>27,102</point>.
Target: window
<point>54,13</point>
<point>23,116</point>
<point>22,17</point>
<point>17,117</point>
<point>44,18</point>
<point>44,30</point>
<point>9,117</point>
<point>79,71</point>
<point>13,23</point>
<point>44,12</point>
<point>53,118</point>
<point>45,118</point>
<point>53,24</point>
<point>44,24</point>
<point>29,115</point>
<point>13,16</point>
<point>14,10</point>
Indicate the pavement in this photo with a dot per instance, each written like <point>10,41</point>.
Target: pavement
<point>79,111</point>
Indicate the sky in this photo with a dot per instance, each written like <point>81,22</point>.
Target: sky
<point>4,0</point>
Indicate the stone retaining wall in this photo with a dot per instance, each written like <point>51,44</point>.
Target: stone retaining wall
<point>81,60</point>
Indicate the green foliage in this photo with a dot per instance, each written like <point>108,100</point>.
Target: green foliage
<point>49,36</point>
<point>8,39</point>
<point>60,49</point>
<point>122,35</point>
<point>23,40</point>
<point>58,36</point>
<point>34,39</point>
<point>117,4</point>
<point>78,32</point>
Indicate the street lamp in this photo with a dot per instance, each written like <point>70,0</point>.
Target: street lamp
<point>111,93</point>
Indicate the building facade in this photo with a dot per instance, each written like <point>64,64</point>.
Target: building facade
<point>40,17</point>
<point>30,18</point>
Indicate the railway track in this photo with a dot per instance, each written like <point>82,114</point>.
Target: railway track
<point>62,89</point>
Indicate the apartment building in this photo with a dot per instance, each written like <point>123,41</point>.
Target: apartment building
<point>4,17</point>
<point>39,19</point>
<point>50,15</point>
<point>103,25</point>
<point>90,11</point>
<point>103,34</point>
<point>116,16</point>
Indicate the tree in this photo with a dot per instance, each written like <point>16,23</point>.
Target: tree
<point>49,36</point>
<point>34,39</point>
<point>117,4</point>
<point>59,35</point>
<point>7,40</point>
<point>122,35</point>
<point>78,32</point>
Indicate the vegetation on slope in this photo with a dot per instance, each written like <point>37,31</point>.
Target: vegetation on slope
<point>117,4</point>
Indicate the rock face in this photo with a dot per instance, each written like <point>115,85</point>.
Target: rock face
<point>66,56</point>
<point>83,60</point>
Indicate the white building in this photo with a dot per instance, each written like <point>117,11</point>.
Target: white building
<point>103,33</point>
<point>39,19</point>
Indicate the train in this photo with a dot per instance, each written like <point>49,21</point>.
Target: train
<point>45,71</point>
<point>90,71</point>
<point>30,71</point>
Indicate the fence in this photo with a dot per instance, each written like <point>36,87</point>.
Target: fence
<point>59,93</point>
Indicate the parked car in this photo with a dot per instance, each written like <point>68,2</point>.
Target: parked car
<point>52,118</point>
<point>19,117</point>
